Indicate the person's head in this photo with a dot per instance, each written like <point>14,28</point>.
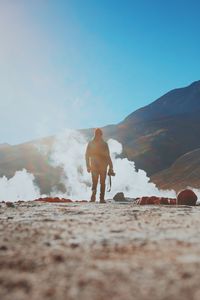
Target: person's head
<point>98,133</point>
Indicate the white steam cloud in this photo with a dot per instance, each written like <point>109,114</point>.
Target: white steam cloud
<point>69,152</point>
<point>19,187</point>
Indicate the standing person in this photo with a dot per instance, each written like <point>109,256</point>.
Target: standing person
<point>97,160</point>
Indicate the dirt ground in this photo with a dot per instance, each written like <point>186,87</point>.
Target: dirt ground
<point>91,251</point>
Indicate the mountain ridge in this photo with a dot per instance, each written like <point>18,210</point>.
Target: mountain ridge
<point>169,96</point>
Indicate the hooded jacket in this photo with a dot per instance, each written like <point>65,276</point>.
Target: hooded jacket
<point>98,155</point>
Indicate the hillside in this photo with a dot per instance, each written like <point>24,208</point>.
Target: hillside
<point>157,134</point>
<point>184,172</point>
<point>28,156</point>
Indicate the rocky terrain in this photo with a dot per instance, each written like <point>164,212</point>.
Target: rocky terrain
<point>89,251</point>
<point>185,171</point>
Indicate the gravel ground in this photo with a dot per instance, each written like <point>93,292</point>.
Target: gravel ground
<point>91,251</point>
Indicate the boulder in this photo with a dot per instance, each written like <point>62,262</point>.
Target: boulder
<point>187,197</point>
<point>119,197</point>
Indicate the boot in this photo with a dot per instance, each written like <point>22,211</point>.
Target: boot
<point>93,197</point>
<point>102,193</point>
<point>102,201</point>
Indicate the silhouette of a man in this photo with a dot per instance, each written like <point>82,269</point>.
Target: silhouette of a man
<point>97,161</point>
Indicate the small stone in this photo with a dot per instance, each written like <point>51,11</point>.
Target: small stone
<point>74,245</point>
<point>10,204</point>
<point>58,258</point>
<point>57,237</point>
<point>3,248</point>
<point>186,275</point>
<point>50,292</point>
<point>48,244</point>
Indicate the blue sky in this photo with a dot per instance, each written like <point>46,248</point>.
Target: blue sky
<point>81,64</point>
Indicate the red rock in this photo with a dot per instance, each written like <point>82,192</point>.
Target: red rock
<point>187,197</point>
<point>167,201</point>
<point>153,200</point>
<point>54,200</point>
<point>143,201</point>
<point>164,200</point>
<point>172,201</point>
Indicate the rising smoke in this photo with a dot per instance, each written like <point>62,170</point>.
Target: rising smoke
<point>19,187</point>
<point>69,152</point>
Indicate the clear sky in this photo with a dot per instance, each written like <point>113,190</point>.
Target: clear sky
<point>89,63</point>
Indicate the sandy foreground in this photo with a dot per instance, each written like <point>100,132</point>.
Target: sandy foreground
<point>94,251</point>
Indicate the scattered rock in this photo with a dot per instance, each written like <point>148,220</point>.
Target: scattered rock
<point>81,201</point>
<point>50,292</point>
<point>58,258</point>
<point>186,275</point>
<point>57,237</point>
<point>48,220</point>
<point>3,248</point>
<point>168,201</point>
<point>54,200</point>
<point>185,197</point>
<point>20,284</point>
<point>10,204</point>
<point>153,200</point>
<point>74,245</point>
<point>48,244</point>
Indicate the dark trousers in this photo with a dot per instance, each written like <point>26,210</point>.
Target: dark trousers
<point>95,178</point>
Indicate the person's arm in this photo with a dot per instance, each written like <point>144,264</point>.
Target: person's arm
<point>87,157</point>
<point>109,158</point>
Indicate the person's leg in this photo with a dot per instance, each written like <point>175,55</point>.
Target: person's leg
<point>95,177</point>
<point>103,185</point>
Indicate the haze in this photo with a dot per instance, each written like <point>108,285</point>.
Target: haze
<point>78,64</point>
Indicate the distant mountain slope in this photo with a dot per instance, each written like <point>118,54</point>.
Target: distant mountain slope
<point>184,172</point>
<point>155,145</point>
<point>157,134</point>
<point>154,136</point>
<point>176,102</point>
